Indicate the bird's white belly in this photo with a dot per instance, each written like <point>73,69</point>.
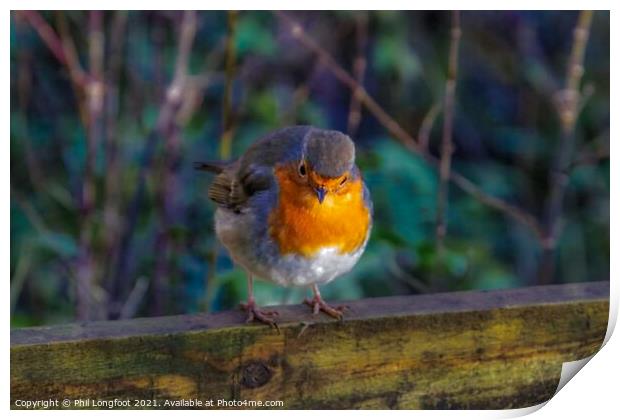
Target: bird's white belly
<point>327,264</point>
<point>267,264</point>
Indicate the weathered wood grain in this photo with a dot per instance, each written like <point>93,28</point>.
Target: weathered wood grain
<point>497,349</point>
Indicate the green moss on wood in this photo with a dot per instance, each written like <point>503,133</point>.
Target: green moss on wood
<point>499,349</point>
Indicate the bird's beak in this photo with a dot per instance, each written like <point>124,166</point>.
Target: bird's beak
<point>320,193</point>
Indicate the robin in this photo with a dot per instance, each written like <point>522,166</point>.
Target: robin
<point>294,210</point>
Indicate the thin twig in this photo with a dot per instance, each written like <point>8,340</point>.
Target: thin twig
<point>24,85</point>
<point>77,75</point>
<point>227,114</point>
<point>113,182</point>
<point>447,146</point>
<point>36,220</point>
<point>169,183</point>
<point>132,304</point>
<point>341,74</point>
<point>424,133</point>
<point>590,158</point>
<point>400,134</point>
<point>228,128</point>
<point>186,40</point>
<point>38,223</point>
<point>95,99</point>
<point>62,47</point>
<point>18,280</point>
<point>90,87</point>
<point>164,127</point>
<point>497,203</point>
<point>298,99</point>
<point>534,57</point>
<point>359,68</point>
<point>87,269</point>
<point>46,33</point>
<point>568,104</point>
<point>402,274</point>
<point>571,95</point>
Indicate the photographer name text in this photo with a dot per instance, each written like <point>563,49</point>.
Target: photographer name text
<point>137,403</point>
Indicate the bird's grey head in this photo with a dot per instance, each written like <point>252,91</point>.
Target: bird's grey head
<point>329,153</point>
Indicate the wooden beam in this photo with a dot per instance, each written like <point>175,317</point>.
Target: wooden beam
<point>495,349</point>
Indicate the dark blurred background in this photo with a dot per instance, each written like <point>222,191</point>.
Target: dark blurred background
<point>110,109</point>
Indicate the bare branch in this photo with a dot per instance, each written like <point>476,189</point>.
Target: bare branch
<point>424,133</point>
<point>400,134</point>
<point>341,74</point>
<point>446,142</point>
<point>228,128</point>
<point>87,269</point>
<point>568,103</point>
<point>188,33</point>
<point>78,75</point>
<point>227,114</point>
<point>569,98</point>
<point>359,68</point>
<point>24,85</point>
<point>130,308</point>
<point>89,91</point>
<point>46,33</point>
<point>112,180</point>
<point>164,128</point>
<point>94,96</point>
<point>591,158</point>
<point>62,47</point>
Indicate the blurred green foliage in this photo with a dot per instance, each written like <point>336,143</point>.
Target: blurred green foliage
<point>506,133</point>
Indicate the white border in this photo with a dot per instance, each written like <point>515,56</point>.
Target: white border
<point>592,394</point>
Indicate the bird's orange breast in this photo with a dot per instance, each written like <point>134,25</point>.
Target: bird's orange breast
<point>300,224</point>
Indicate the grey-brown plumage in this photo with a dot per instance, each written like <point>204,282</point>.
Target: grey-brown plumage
<point>329,153</point>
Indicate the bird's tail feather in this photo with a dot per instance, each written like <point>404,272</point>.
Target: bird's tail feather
<point>215,166</point>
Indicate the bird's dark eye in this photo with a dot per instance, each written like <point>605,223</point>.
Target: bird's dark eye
<point>302,169</point>
<point>344,180</point>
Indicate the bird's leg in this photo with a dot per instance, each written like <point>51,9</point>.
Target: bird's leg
<point>253,311</point>
<point>318,304</point>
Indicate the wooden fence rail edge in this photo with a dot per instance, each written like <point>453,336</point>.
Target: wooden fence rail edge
<point>495,349</point>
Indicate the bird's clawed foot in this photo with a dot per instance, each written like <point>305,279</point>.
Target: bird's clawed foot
<point>256,313</point>
<point>318,304</point>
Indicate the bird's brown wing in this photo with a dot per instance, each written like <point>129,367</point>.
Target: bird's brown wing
<point>253,172</point>
<point>236,184</point>
<point>221,189</point>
